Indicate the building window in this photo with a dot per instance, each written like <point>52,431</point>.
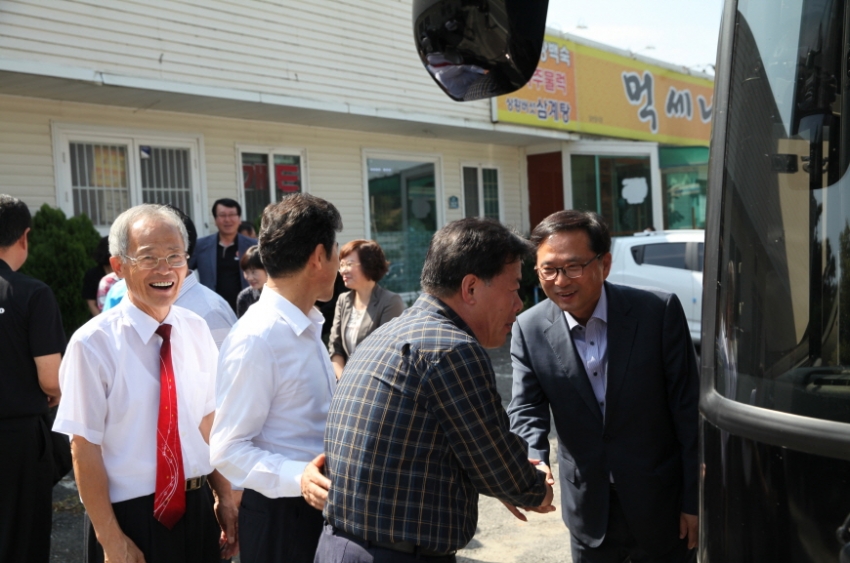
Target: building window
<point>617,187</point>
<point>684,177</point>
<point>262,185</point>
<point>403,216</point>
<point>101,173</point>
<point>481,192</point>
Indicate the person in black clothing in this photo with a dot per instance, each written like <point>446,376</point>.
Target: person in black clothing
<point>94,275</point>
<point>32,344</point>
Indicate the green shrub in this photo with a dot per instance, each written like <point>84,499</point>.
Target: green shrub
<point>59,254</point>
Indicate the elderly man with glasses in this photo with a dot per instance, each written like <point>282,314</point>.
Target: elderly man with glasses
<point>139,402</point>
<point>617,367</point>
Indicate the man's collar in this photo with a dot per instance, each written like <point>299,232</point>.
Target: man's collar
<point>600,312</point>
<point>144,324</point>
<point>294,317</point>
<point>436,305</point>
<point>190,281</point>
<point>5,266</point>
<point>218,239</point>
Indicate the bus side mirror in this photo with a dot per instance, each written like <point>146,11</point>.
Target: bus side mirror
<point>482,48</point>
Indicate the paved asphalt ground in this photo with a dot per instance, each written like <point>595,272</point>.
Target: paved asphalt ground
<point>500,538</point>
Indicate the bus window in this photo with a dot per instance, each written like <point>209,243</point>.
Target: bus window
<point>783,309</point>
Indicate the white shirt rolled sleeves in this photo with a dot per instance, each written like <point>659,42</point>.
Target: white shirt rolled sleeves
<point>109,379</point>
<point>273,391</point>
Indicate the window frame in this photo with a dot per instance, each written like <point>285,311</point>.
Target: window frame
<point>614,149</point>
<point>270,152</point>
<point>413,156</point>
<point>63,134</point>
<point>480,167</point>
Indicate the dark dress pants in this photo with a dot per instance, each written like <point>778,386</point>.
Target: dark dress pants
<point>277,530</point>
<point>620,545</point>
<point>194,539</point>
<point>26,505</point>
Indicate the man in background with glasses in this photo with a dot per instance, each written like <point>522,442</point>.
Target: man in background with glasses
<point>139,401</point>
<point>617,367</point>
<point>216,257</point>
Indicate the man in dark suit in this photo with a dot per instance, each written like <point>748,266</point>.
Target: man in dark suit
<point>618,369</point>
<point>216,257</point>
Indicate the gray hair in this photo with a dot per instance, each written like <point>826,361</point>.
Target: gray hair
<point>119,233</point>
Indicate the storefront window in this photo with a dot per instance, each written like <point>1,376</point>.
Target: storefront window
<point>684,174</point>
<point>403,216</point>
<point>257,180</point>
<point>616,187</point>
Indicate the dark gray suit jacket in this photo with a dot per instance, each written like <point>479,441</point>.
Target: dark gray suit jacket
<point>203,259</point>
<point>384,305</point>
<point>648,440</point>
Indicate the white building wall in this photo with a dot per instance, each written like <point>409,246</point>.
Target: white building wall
<point>334,158</point>
<point>359,52</point>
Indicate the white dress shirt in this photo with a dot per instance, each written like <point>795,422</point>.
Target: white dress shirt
<point>208,305</point>
<point>109,379</point>
<point>592,345</point>
<point>273,392</point>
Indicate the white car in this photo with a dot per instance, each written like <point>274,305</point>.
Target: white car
<point>669,260</point>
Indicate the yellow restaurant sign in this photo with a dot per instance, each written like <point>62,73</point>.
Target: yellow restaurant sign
<point>588,90</point>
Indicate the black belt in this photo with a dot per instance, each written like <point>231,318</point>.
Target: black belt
<point>196,482</point>
<point>400,546</point>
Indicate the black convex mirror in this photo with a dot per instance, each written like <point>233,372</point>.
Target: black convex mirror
<point>478,49</point>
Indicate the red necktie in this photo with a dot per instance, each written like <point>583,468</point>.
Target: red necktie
<point>169,501</point>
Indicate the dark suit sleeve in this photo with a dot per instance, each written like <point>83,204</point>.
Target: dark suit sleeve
<point>335,339</point>
<point>529,407</point>
<point>394,307</point>
<point>680,367</point>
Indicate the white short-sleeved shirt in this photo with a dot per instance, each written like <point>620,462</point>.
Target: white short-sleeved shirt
<point>274,387</point>
<point>109,379</point>
<point>209,305</point>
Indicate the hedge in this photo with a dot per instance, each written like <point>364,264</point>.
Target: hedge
<point>60,252</point>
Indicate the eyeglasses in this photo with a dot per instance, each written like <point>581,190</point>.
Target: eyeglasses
<point>151,262</point>
<point>347,264</point>
<point>548,273</point>
<point>226,215</point>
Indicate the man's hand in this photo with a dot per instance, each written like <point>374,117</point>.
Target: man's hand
<point>121,549</point>
<point>228,519</point>
<point>546,505</point>
<point>314,484</point>
<point>689,527</point>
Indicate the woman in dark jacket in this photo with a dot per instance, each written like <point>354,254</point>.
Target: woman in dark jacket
<point>255,275</point>
<point>367,306</point>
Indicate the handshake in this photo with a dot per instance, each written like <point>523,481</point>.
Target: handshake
<point>546,505</point>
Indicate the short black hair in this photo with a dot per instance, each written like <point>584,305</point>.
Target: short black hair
<point>373,263</point>
<point>481,247</point>
<point>15,219</point>
<point>190,227</point>
<point>227,202</point>
<point>291,229</point>
<point>571,220</point>
<point>251,259</point>
<point>246,226</point>
<point>101,252</point>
